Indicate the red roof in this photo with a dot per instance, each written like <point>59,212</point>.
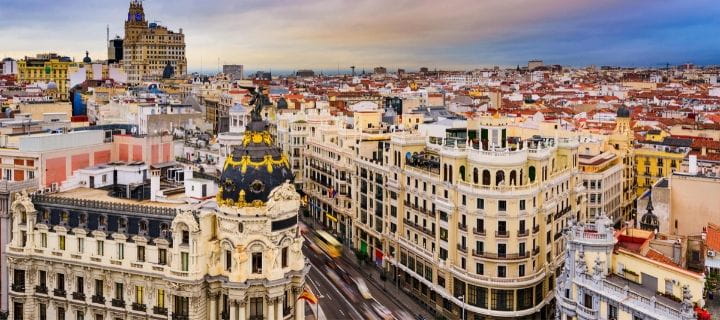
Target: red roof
<point>713,237</point>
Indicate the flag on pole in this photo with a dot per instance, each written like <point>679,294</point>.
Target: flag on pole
<point>308,296</point>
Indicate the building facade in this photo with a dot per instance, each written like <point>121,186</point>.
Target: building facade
<point>149,47</point>
<point>85,254</point>
<point>50,69</point>
<point>467,220</point>
<point>610,275</point>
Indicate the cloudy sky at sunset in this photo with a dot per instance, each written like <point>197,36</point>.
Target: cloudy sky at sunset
<point>294,34</point>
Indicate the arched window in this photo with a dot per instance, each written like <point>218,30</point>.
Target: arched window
<point>499,177</point>
<point>450,173</point>
<point>445,172</point>
<point>513,178</point>
<point>475,176</point>
<point>531,173</point>
<point>462,173</point>
<point>486,177</point>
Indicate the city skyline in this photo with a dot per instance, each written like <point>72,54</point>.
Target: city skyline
<point>286,35</point>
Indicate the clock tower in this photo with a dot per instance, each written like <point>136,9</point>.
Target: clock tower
<point>135,22</point>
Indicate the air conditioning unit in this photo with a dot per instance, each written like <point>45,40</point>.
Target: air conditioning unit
<point>710,253</point>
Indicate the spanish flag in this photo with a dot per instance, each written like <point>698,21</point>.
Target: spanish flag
<point>308,296</point>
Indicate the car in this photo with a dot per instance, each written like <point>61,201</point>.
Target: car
<point>363,288</point>
<point>382,311</point>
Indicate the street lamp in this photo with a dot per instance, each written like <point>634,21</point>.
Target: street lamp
<point>462,297</point>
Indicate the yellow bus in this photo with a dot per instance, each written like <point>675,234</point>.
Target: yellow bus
<point>328,243</point>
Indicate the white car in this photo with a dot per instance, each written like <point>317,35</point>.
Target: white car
<point>362,287</point>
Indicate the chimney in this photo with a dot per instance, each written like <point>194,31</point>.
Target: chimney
<point>693,165</point>
<point>154,183</point>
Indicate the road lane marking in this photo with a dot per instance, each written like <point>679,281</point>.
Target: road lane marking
<point>342,296</point>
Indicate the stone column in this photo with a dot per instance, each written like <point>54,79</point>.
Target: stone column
<point>270,309</point>
<point>299,309</point>
<point>233,310</point>
<point>242,314</point>
<point>299,304</point>
<point>279,308</point>
<point>213,306</point>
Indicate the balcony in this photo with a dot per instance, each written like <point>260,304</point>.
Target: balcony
<point>60,293</point>
<point>536,229</point>
<point>462,248</point>
<point>536,251</point>
<point>78,296</point>
<point>557,236</point>
<point>523,233</point>
<point>139,307</point>
<point>502,256</point>
<point>419,228</point>
<point>18,287</point>
<point>462,227</point>
<point>98,299</point>
<point>118,303</point>
<point>479,232</point>
<point>562,212</point>
<point>502,234</point>
<point>160,310</point>
<point>41,289</point>
<point>586,312</point>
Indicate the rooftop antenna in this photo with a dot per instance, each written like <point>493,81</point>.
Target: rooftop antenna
<point>107,34</point>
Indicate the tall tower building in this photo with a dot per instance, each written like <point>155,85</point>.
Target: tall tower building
<point>149,47</point>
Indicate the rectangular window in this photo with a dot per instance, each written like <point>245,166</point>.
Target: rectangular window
<point>141,253</point>
<point>43,311</point>
<point>480,203</point>
<point>501,271</point>
<point>61,242</point>
<point>257,262</point>
<point>118,291</point>
<point>60,313</point>
<point>98,287</point>
<point>185,237</point>
<point>79,285</point>
<point>43,240</point>
<point>100,247</point>
<point>60,282</point>
<point>139,294</point>
<point>184,260</point>
<point>81,245</point>
<point>42,278</point>
<point>228,260</point>
<point>120,251</point>
<point>160,301</point>
<point>284,257</point>
<point>502,205</point>
<point>256,308</point>
<point>522,204</point>
<point>479,268</point>
<point>162,257</point>
<point>521,270</point>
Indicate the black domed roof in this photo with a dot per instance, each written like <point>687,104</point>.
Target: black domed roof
<point>168,71</point>
<point>623,112</point>
<point>649,220</point>
<point>254,168</point>
<point>87,58</point>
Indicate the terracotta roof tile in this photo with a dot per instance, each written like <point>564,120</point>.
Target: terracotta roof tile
<point>713,237</point>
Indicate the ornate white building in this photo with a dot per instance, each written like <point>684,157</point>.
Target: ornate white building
<point>83,254</point>
<point>610,275</point>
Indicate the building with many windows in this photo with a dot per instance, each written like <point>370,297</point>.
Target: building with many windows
<point>602,178</point>
<point>148,48</point>
<point>623,275</point>
<point>461,215</point>
<point>91,254</point>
